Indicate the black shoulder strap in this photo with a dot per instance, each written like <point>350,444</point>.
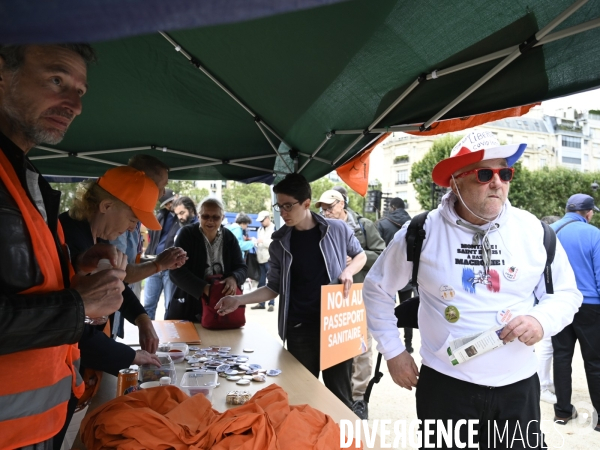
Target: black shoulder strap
<point>415,235</point>
<point>550,246</point>
<point>564,225</point>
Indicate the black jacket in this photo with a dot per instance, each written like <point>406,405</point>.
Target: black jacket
<point>190,276</point>
<point>98,351</point>
<point>37,320</point>
<point>391,223</point>
<point>155,235</point>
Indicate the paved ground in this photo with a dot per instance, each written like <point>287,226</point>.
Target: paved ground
<point>390,402</point>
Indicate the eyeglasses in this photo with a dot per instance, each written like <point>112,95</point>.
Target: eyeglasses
<point>207,217</point>
<point>484,176</point>
<point>286,206</point>
<point>324,210</point>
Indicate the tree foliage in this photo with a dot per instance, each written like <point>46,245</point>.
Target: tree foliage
<point>545,192</point>
<point>249,198</point>
<point>420,173</point>
<point>188,189</point>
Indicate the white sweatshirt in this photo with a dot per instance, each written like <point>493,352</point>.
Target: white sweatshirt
<point>447,277</point>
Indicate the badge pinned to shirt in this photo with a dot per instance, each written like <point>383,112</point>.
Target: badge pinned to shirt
<point>504,316</point>
<point>447,292</point>
<point>511,273</point>
<point>452,314</point>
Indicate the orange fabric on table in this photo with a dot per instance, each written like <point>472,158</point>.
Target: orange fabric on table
<point>165,417</point>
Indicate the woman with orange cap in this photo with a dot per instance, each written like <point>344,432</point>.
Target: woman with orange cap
<point>104,209</point>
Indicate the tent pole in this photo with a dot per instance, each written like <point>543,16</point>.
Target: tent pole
<point>196,166</point>
<point>505,62</point>
<point>252,158</point>
<point>37,158</point>
<point>200,67</point>
<point>258,124</point>
<point>311,157</point>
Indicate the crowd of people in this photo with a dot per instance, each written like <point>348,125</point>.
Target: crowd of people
<point>70,278</point>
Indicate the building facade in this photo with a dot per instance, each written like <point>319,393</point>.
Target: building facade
<point>566,138</point>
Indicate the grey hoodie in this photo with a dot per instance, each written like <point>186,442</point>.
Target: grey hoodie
<point>337,242</point>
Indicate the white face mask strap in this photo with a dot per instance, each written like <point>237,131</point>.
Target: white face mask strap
<point>469,209</point>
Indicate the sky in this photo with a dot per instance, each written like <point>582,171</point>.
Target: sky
<point>585,100</point>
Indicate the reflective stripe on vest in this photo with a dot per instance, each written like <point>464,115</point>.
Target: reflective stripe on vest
<point>36,385</point>
<point>36,401</point>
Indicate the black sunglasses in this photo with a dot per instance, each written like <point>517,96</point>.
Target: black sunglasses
<point>484,176</point>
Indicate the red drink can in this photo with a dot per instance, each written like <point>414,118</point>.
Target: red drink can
<point>127,381</point>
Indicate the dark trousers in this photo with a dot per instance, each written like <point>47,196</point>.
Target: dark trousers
<point>404,294</point>
<point>304,344</point>
<point>586,329</point>
<point>264,268</point>
<point>441,397</point>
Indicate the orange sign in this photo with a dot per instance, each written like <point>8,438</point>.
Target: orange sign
<point>343,324</point>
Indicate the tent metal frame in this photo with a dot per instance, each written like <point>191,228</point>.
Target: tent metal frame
<point>508,54</point>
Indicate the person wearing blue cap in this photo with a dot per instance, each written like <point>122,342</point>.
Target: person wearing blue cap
<point>581,241</point>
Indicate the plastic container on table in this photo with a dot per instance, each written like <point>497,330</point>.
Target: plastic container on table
<point>163,349</point>
<point>200,382</point>
<point>149,372</point>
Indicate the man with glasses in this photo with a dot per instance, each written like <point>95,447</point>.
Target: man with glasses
<point>481,268</point>
<point>333,206</point>
<point>307,253</point>
<point>582,244</point>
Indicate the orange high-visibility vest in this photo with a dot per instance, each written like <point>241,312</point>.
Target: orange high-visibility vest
<point>36,385</point>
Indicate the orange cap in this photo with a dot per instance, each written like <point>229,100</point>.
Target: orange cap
<point>136,190</point>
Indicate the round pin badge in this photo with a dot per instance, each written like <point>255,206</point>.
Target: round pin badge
<point>504,316</point>
<point>243,382</point>
<point>451,314</point>
<point>273,372</point>
<point>447,292</point>
<point>511,273</point>
<point>234,378</point>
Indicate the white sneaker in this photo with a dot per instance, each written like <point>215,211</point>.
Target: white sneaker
<point>548,397</point>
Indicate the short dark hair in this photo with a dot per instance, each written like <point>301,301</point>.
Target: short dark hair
<point>14,55</point>
<point>243,218</point>
<point>550,219</point>
<point>397,203</point>
<point>150,165</point>
<point>187,203</point>
<point>294,185</point>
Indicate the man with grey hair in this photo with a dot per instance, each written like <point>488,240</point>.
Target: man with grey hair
<point>43,308</point>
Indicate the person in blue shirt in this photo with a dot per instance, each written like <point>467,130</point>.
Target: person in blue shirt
<point>241,223</point>
<point>581,241</point>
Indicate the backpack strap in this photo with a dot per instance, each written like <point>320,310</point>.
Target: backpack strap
<point>415,235</point>
<point>550,246</point>
<point>564,225</point>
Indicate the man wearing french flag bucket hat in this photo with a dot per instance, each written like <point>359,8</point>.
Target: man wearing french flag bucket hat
<point>481,269</point>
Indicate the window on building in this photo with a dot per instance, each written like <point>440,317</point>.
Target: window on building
<point>541,142</point>
<point>543,162</point>
<point>402,177</point>
<point>571,141</point>
<point>509,138</point>
<point>569,160</point>
<point>223,184</point>
<point>213,186</point>
<point>586,158</point>
<point>526,161</point>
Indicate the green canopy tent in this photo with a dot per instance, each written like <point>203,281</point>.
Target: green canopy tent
<point>308,90</point>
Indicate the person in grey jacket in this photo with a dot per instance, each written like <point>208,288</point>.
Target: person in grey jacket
<point>393,220</point>
<point>308,252</point>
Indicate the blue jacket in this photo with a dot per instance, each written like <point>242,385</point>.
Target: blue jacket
<point>237,231</point>
<point>337,242</point>
<point>581,241</point>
